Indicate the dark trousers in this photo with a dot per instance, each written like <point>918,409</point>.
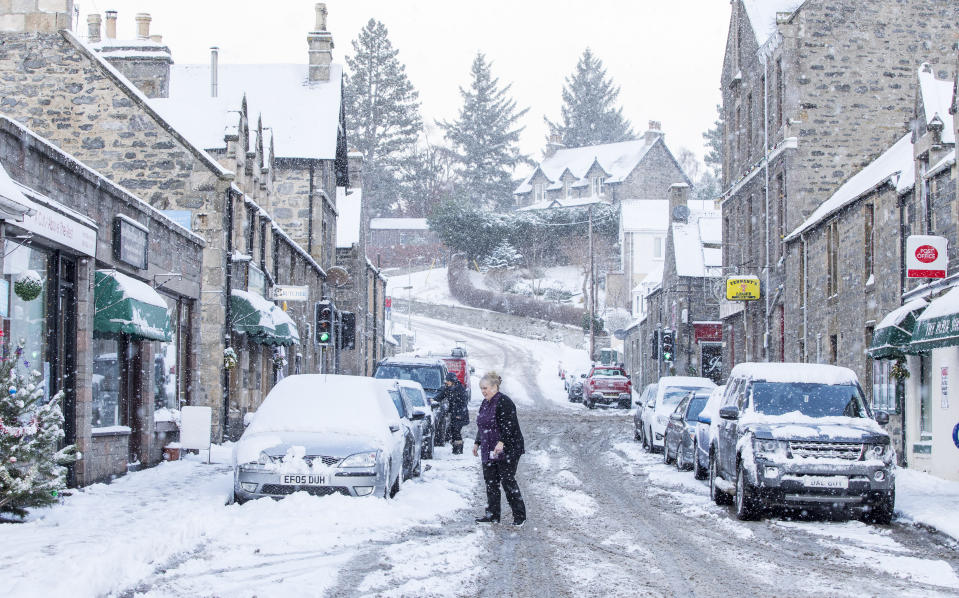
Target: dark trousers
<point>502,473</point>
<point>456,432</point>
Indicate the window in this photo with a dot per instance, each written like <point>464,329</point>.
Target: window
<point>539,192</point>
<point>833,349</point>
<point>566,189</point>
<point>883,386</point>
<point>802,274</point>
<point>832,259</point>
<point>658,247</point>
<point>749,126</point>
<point>781,211</point>
<point>597,187</point>
<point>781,93</point>
<point>869,220</point>
<point>925,396</point>
<point>748,241</point>
<point>738,154</point>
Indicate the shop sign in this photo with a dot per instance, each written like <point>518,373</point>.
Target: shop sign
<point>131,241</point>
<point>60,228</point>
<point>708,331</point>
<point>256,281</point>
<point>742,288</point>
<point>926,256</point>
<point>285,292</point>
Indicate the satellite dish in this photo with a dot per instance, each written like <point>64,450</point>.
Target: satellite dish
<point>620,333</point>
<point>337,276</point>
<point>681,213</point>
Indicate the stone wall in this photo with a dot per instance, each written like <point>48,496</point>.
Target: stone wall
<point>653,177</point>
<point>108,457</point>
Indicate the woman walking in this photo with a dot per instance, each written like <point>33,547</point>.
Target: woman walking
<point>499,442</point>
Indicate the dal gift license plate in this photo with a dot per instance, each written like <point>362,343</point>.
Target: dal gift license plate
<point>833,482</point>
<point>303,480</point>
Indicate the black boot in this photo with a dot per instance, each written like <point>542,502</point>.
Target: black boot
<point>487,519</point>
<point>458,447</point>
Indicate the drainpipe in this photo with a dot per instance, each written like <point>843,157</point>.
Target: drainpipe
<point>766,188</point>
<point>227,330</point>
<point>805,298</point>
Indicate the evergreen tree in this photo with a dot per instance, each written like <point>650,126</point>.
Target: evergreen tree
<point>426,176</point>
<point>714,144</point>
<point>32,471</point>
<point>382,113</point>
<point>485,139</point>
<point>589,115</point>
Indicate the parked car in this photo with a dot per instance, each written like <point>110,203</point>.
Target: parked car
<point>670,390</point>
<point>801,435</point>
<point>680,438</point>
<point>430,373</point>
<point>323,434</point>
<point>574,386</point>
<point>648,396</point>
<point>457,364</point>
<point>705,432</point>
<point>412,424</point>
<point>421,405</point>
<point>607,384</point>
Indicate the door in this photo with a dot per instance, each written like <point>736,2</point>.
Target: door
<point>712,361</point>
<point>131,393</point>
<point>61,365</point>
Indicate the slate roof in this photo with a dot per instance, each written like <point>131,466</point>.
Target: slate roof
<point>697,245</point>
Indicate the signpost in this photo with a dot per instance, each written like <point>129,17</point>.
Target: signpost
<point>926,256</point>
<point>742,288</point>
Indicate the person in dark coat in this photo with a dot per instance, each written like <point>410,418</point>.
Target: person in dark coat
<point>499,442</point>
<point>458,406</point>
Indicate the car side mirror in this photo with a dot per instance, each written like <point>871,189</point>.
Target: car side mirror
<point>418,416</point>
<point>730,412</point>
<point>651,404</point>
<point>582,375</point>
<point>704,419</point>
<point>472,370</point>
<point>434,404</point>
<point>882,418</point>
<point>394,428</point>
<point>676,416</point>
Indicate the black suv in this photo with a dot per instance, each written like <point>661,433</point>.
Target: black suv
<point>430,373</point>
<point>800,434</point>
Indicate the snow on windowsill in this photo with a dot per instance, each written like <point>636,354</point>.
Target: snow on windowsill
<point>112,431</point>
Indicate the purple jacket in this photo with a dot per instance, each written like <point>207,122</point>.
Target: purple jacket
<point>495,422</point>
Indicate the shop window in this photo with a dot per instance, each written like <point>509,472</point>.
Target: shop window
<point>883,386</point>
<point>869,220</point>
<point>25,317</point>
<point>925,397</point>
<point>107,403</point>
<point>166,370</point>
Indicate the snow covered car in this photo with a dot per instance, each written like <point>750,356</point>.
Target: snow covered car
<point>421,405</point>
<point>647,397</point>
<point>607,384</point>
<point>802,435</point>
<point>430,373</point>
<point>323,434</point>
<point>413,431</point>
<point>705,431</point>
<point>669,392</point>
<point>574,386</point>
<point>680,438</point>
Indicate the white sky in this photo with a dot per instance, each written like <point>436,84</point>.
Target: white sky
<point>666,56</point>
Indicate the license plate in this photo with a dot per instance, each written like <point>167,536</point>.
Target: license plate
<point>303,480</point>
<point>832,482</point>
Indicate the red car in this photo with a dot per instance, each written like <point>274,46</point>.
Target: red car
<point>607,384</point>
<point>456,364</point>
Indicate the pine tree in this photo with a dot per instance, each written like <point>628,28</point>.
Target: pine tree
<point>426,176</point>
<point>32,471</point>
<point>485,139</point>
<point>589,115</point>
<point>382,113</point>
<point>714,144</point>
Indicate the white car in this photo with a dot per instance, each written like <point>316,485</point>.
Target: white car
<point>670,390</point>
<point>412,424</point>
<point>322,434</point>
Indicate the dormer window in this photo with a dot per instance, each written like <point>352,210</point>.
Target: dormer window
<point>597,186</point>
<point>539,192</point>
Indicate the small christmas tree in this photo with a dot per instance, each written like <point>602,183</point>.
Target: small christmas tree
<point>32,471</point>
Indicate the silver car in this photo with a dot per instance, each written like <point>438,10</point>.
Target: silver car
<point>412,424</point>
<point>421,407</point>
<point>322,434</point>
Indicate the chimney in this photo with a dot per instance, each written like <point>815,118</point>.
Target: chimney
<point>143,25</point>
<point>156,38</point>
<point>354,161</point>
<point>655,132</point>
<point>36,16</point>
<point>111,24</point>
<point>554,144</point>
<point>93,27</point>
<point>320,44</point>
<point>678,197</point>
<point>214,67</point>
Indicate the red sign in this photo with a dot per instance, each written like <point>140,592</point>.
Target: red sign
<point>389,302</point>
<point>710,332</point>
<point>926,254</point>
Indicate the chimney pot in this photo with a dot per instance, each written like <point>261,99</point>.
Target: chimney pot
<point>655,125</point>
<point>111,24</point>
<point>156,38</point>
<point>321,16</point>
<point>214,67</point>
<point>320,44</point>
<point>93,27</point>
<point>143,25</point>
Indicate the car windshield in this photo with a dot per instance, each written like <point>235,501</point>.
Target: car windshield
<point>809,398</point>
<point>429,377</point>
<point>414,396</point>
<point>607,372</point>
<point>695,407</point>
<point>674,394</point>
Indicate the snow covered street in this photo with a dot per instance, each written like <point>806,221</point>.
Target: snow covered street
<point>606,518</point>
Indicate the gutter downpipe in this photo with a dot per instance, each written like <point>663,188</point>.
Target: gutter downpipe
<point>765,60</point>
<point>228,312</point>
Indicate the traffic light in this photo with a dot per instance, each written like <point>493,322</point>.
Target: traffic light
<point>654,350</point>
<point>324,323</point>
<point>668,342</point>
<point>347,335</point>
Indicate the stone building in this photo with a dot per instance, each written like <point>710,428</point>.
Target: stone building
<point>401,242</point>
<point>68,92</point>
<point>812,92</point>
<point>116,325</point>
<point>684,300</point>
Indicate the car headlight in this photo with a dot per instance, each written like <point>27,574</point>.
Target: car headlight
<point>878,451</point>
<point>265,459</point>
<point>768,448</point>
<point>365,460</point>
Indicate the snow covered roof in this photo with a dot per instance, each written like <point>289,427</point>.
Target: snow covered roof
<point>652,281</point>
<point>895,165</point>
<point>794,372</point>
<point>762,16</point>
<point>616,159</point>
<point>946,305</point>
<point>644,215</point>
<point>575,202</point>
<point>697,245</point>
<point>304,116</point>
<point>399,224</point>
<point>348,217</point>
<point>936,97</point>
<point>10,192</point>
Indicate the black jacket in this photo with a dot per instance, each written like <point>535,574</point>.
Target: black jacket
<point>457,404</point>
<point>508,424</point>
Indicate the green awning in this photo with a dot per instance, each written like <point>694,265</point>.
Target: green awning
<point>938,326</point>
<point>250,315</point>
<point>125,305</point>
<point>894,332</point>
<point>285,327</point>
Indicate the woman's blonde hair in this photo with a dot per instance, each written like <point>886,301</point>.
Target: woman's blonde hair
<point>493,378</point>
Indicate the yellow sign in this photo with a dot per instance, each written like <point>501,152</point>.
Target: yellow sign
<point>742,288</point>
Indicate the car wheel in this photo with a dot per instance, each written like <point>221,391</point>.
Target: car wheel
<point>407,472</point>
<point>680,459</point>
<point>590,403</point>
<point>396,486</point>
<point>699,472</point>
<point>237,499</point>
<point>881,511</point>
<point>636,435</point>
<point>645,441</point>
<point>719,497</point>
<point>666,458</point>
<point>418,470</point>
<point>746,503</point>
<point>428,449</point>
